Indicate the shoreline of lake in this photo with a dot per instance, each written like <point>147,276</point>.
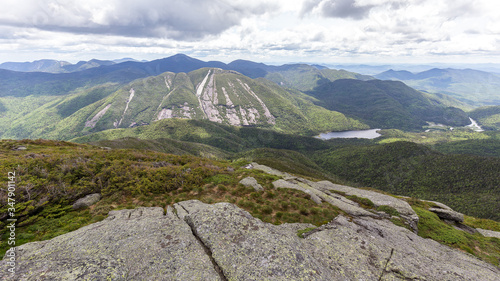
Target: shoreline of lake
<point>362,134</point>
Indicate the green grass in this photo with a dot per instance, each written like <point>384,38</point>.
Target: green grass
<point>59,173</point>
<point>430,226</point>
<point>364,202</point>
<point>482,223</point>
<point>388,209</point>
<point>300,232</point>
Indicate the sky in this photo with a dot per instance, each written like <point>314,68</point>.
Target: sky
<point>279,31</point>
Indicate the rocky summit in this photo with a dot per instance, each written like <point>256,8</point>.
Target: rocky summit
<point>198,241</point>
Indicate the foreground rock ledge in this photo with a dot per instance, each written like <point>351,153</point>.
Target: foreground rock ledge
<point>197,241</point>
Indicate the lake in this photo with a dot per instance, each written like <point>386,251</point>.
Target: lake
<point>362,134</point>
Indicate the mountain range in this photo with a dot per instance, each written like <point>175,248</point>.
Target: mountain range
<point>472,87</point>
<point>56,66</point>
<point>209,93</point>
<point>300,99</point>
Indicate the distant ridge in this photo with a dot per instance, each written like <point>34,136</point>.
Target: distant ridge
<point>95,72</point>
<point>45,65</point>
<point>475,87</point>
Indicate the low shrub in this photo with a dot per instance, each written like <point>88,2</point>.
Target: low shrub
<point>388,209</point>
<point>364,202</point>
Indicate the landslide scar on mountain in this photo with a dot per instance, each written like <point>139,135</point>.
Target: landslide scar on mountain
<point>97,117</point>
<point>132,92</point>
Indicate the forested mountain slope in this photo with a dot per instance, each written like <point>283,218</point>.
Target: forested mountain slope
<point>212,94</point>
<point>474,87</point>
<point>386,104</point>
<point>488,117</point>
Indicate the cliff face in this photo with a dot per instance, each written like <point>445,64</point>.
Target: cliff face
<point>198,241</point>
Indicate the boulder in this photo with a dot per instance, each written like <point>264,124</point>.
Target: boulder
<point>361,248</point>
<point>489,233</point>
<point>346,205</point>
<point>271,171</point>
<point>250,181</point>
<point>87,201</point>
<point>292,185</point>
<point>223,242</point>
<point>378,199</point>
<point>463,227</point>
<point>439,205</point>
<point>450,215</point>
<point>21,147</point>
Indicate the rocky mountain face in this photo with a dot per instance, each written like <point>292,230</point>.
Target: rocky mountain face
<point>197,241</point>
<point>215,98</point>
<point>213,94</point>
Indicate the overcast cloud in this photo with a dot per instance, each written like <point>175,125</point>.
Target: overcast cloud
<point>337,8</point>
<point>276,31</point>
<point>176,19</point>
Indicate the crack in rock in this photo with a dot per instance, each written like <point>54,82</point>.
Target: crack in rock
<point>207,250</point>
<point>386,263</point>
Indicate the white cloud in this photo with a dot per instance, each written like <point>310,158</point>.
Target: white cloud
<point>177,19</point>
<point>337,8</point>
<point>286,30</point>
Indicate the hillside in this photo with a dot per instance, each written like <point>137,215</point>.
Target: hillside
<point>477,88</point>
<point>225,137</point>
<point>212,94</point>
<point>467,183</point>
<point>51,176</point>
<point>68,105</point>
<point>302,77</point>
<point>488,117</point>
<point>403,168</point>
<point>386,104</point>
